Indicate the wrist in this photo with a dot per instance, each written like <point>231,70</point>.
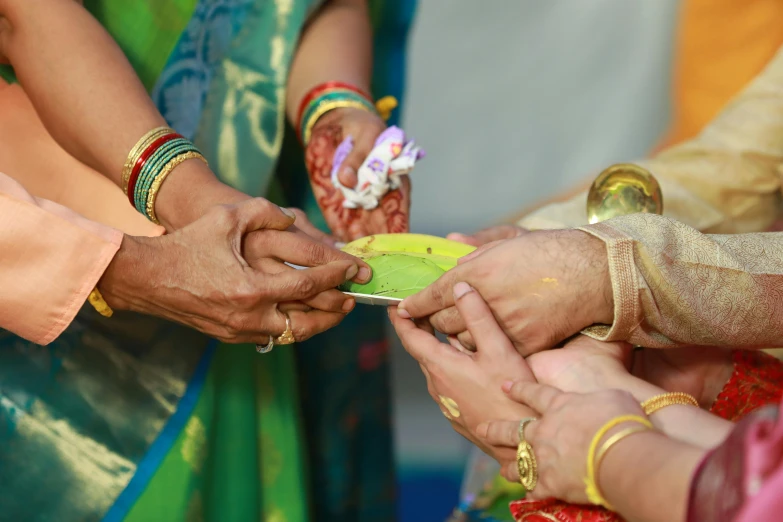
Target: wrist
<point>189,192</point>
<point>594,276</point>
<point>120,283</point>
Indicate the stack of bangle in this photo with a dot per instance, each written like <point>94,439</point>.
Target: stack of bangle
<point>150,161</point>
<point>337,95</point>
<point>594,457</point>
<point>592,490</point>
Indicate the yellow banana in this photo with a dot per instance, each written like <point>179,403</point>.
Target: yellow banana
<point>403,264</point>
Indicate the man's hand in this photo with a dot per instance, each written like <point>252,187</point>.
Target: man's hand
<point>223,275</point>
<point>543,287</point>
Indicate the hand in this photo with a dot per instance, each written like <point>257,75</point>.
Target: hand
<point>701,371</point>
<point>304,224</point>
<point>346,224</point>
<point>200,276</point>
<point>542,287</point>
<point>488,235</point>
<point>561,437</point>
<point>473,381</point>
<point>583,365</point>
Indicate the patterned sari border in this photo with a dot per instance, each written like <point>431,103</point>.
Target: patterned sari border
<point>150,463</point>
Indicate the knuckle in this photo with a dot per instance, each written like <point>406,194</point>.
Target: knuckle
<point>305,286</point>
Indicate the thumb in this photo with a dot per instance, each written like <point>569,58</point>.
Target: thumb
<point>261,214</point>
<point>348,170</point>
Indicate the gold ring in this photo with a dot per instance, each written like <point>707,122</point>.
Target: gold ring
<point>526,459</point>
<point>450,405</point>
<point>286,337</point>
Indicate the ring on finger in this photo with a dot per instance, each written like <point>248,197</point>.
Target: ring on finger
<point>287,337</point>
<point>526,459</point>
<point>260,348</point>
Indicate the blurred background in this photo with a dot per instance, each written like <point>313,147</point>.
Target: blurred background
<point>514,101</point>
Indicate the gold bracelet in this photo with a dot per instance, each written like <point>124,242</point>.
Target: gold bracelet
<point>137,150</point>
<point>96,300</point>
<point>591,485</point>
<point>611,441</point>
<point>152,195</point>
<point>654,404</point>
<point>325,107</point>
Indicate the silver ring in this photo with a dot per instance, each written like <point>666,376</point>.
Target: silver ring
<point>260,348</point>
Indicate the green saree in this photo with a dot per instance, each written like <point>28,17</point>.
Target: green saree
<point>133,419</point>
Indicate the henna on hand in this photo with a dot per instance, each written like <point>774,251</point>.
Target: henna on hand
<point>345,223</point>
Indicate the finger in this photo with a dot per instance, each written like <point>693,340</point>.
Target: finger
<point>328,301</point>
<point>301,250</point>
<point>466,340</point>
<point>510,472</point>
<point>421,345</point>
<point>498,233</point>
<point>482,325</point>
<point>305,325</point>
<point>537,396</point>
<point>433,298</point>
<point>298,285</point>
<point>479,251</point>
<point>448,321</point>
<point>348,171</point>
<point>453,341</point>
<point>259,213</point>
<point>463,238</point>
<point>305,225</point>
<point>500,433</point>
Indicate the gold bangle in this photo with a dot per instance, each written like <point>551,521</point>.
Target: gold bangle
<point>654,404</point>
<point>152,195</point>
<point>591,486</point>
<point>96,300</point>
<point>327,106</point>
<point>137,150</point>
<point>611,441</point>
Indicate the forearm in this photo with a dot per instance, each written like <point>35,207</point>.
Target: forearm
<point>687,424</point>
<point>336,46</point>
<point>91,101</point>
<point>646,477</point>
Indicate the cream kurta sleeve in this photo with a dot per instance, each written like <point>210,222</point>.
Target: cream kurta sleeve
<point>674,286</point>
<point>726,180</point>
<point>50,260</point>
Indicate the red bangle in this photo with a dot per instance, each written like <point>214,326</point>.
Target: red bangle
<point>319,89</point>
<point>149,151</point>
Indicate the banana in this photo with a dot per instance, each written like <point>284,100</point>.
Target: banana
<point>403,264</point>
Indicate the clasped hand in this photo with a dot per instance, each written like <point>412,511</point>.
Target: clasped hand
<point>225,275</point>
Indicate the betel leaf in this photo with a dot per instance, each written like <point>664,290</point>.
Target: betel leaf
<point>396,275</point>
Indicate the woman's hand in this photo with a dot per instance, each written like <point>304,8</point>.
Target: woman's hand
<point>561,437</point>
<point>391,215</point>
<point>471,380</point>
<point>223,276</point>
<point>542,287</point>
<point>583,365</point>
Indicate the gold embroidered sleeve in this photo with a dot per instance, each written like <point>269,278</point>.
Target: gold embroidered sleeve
<point>675,286</point>
<point>726,180</point>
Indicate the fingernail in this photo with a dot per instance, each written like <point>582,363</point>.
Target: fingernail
<point>348,305</point>
<point>455,236</point>
<point>507,386</point>
<point>339,244</point>
<point>402,312</point>
<point>460,289</point>
<point>364,274</point>
<point>289,213</point>
<point>351,272</point>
